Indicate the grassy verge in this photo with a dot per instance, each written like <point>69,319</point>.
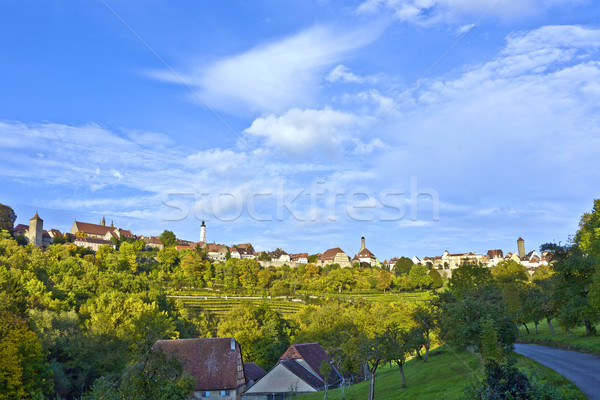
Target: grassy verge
<point>576,339</point>
<point>540,373</point>
<point>445,377</point>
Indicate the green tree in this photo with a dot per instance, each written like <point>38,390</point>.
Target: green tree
<point>418,277</point>
<point>7,218</point>
<point>402,266</point>
<point>436,279</point>
<point>155,376</point>
<point>574,279</point>
<point>544,280</point>
<point>325,370</point>
<point>424,319</point>
<point>384,280</point>
<point>398,347</point>
<point>168,238</point>
<point>24,372</point>
<point>510,271</point>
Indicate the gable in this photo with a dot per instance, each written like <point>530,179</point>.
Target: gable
<point>281,380</point>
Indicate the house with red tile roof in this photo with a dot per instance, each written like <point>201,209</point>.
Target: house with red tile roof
<point>334,256</point>
<point>215,363</point>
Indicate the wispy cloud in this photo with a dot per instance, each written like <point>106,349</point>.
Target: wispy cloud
<point>278,75</point>
<point>431,12</point>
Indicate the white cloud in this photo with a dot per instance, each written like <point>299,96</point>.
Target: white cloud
<point>427,12</point>
<point>512,125</point>
<point>276,76</point>
<point>341,73</point>
<point>305,131</point>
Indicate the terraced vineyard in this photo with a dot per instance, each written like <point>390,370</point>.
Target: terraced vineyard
<point>220,305</point>
<point>413,298</point>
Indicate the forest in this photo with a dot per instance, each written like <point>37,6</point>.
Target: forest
<point>75,324</point>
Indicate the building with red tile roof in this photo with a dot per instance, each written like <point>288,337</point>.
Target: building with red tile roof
<point>215,363</point>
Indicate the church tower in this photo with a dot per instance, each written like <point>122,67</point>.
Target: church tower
<point>36,230</point>
<point>362,244</point>
<point>203,233</point>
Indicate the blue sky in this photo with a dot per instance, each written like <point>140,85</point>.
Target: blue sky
<point>423,125</point>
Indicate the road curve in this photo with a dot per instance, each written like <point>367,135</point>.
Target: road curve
<point>580,368</point>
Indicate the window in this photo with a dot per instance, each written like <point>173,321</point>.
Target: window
<point>205,394</point>
<point>224,393</point>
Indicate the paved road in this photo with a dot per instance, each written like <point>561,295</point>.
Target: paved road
<point>581,369</point>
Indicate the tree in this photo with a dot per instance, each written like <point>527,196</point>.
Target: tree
<point>398,347</point>
<point>419,277</point>
<point>534,309</point>
<point>510,271</point>
<point>372,351</point>
<point>384,280</point>
<point>402,266</point>
<point>24,372</point>
<point>425,324</point>
<point>168,238</point>
<point>573,282</point>
<point>544,279</point>
<point>472,298</point>
<point>325,370</point>
<point>7,218</point>
<point>264,256</point>
<point>155,376</point>
<point>436,279</point>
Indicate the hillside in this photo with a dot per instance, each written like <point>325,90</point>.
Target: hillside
<point>444,377</point>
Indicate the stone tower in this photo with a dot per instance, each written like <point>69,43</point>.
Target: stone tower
<point>521,247</point>
<point>362,244</point>
<point>203,232</point>
<point>36,230</point>
<point>103,221</point>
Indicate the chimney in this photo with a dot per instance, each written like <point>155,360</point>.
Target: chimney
<point>362,243</point>
<point>232,344</point>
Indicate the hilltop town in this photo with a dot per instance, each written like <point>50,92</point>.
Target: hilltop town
<point>92,236</point>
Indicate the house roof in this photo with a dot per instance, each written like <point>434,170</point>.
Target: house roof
<point>302,373</point>
<point>36,216</point>
<point>217,248</point>
<point>20,229</point>
<point>313,354</point>
<point>494,253</point>
<point>94,229</point>
<point>331,253</point>
<point>253,372</point>
<point>210,361</point>
<point>366,253</point>
<point>126,233</point>
<point>152,240</point>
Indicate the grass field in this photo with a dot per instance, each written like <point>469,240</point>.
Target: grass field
<point>576,339</point>
<point>444,377</point>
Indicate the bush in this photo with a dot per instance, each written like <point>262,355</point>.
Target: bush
<point>505,382</point>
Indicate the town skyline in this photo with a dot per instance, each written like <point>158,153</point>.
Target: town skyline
<point>349,250</point>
